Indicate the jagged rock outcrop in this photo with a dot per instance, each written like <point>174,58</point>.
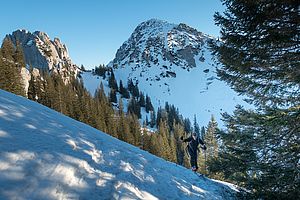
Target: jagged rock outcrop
<point>156,43</point>
<point>45,54</point>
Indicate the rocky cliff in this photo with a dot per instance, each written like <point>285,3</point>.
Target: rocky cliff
<point>45,54</point>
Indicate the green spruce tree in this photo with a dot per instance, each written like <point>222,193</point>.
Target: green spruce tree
<point>10,71</point>
<point>260,57</point>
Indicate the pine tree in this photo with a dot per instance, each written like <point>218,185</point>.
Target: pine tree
<point>134,107</point>
<point>113,96</point>
<point>135,130</point>
<point>210,138</point>
<point>8,49</point>
<point>32,88</point>
<point>196,126</point>
<point>142,100</point>
<point>82,68</point>
<point>187,125</point>
<point>260,59</point>
<point>104,111</point>
<point>123,91</point>
<point>149,106</point>
<point>123,126</point>
<point>211,143</point>
<point>165,149</point>
<point>202,133</point>
<point>152,119</point>
<point>182,158</point>
<point>112,82</point>
<point>135,91</point>
<point>10,76</point>
<point>19,55</point>
<point>130,85</point>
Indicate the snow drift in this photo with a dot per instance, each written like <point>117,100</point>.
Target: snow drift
<point>46,155</point>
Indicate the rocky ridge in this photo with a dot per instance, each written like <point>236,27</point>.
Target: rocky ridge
<point>45,54</point>
<point>164,45</point>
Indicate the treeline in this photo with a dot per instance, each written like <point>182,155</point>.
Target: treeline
<point>76,102</point>
<point>103,113</point>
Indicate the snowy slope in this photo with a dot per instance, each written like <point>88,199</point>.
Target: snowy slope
<point>172,63</point>
<point>46,155</point>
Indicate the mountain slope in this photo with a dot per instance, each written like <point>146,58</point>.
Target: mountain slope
<point>45,155</point>
<point>172,63</point>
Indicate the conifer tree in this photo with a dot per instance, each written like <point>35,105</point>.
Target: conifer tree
<point>32,89</point>
<point>8,49</point>
<point>130,85</point>
<point>101,71</point>
<point>10,76</point>
<point>202,162</point>
<point>210,139</point>
<point>112,82</point>
<point>152,119</point>
<point>123,127</point>
<point>153,144</point>
<point>202,133</point>
<point>104,111</point>
<point>123,91</point>
<point>187,125</point>
<point>196,126</point>
<point>166,151</point>
<point>146,122</point>
<point>142,100</point>
<point>113,96</point>
<point>135,130</point>
<point>135,91</point>
<point>182,158</point>
<point>134,107</point>
<point>260,59</point>
<point>149,106</point>
<point>211,143</point>
<point>19,55</point>
<point>173,148</point>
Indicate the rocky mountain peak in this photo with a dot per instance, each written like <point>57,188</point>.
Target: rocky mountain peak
<point>159,43</point>
<point>154,26</point>
<point>43,53</point>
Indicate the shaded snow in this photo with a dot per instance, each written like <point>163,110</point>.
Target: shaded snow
<point>46,155</point>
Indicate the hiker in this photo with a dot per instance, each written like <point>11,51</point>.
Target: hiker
<point>192,149</point>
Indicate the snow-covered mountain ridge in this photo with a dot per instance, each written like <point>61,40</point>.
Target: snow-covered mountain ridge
<point>64,159</point>
<point>172,63</point>
<point>159,43</point>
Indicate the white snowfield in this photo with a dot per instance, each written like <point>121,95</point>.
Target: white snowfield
<point>46,155</point>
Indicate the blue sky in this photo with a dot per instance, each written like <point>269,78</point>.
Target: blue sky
<point>93,30</point>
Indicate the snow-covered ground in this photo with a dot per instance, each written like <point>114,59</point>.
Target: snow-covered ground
<point>46,155</point>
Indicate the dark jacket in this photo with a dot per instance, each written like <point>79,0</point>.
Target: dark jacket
<point>193,144</point>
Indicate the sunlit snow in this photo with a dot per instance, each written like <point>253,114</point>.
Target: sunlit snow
<point>46,155</point>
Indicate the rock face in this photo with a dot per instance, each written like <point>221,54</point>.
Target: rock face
<point>156,42</point>
<point>42,53</point>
